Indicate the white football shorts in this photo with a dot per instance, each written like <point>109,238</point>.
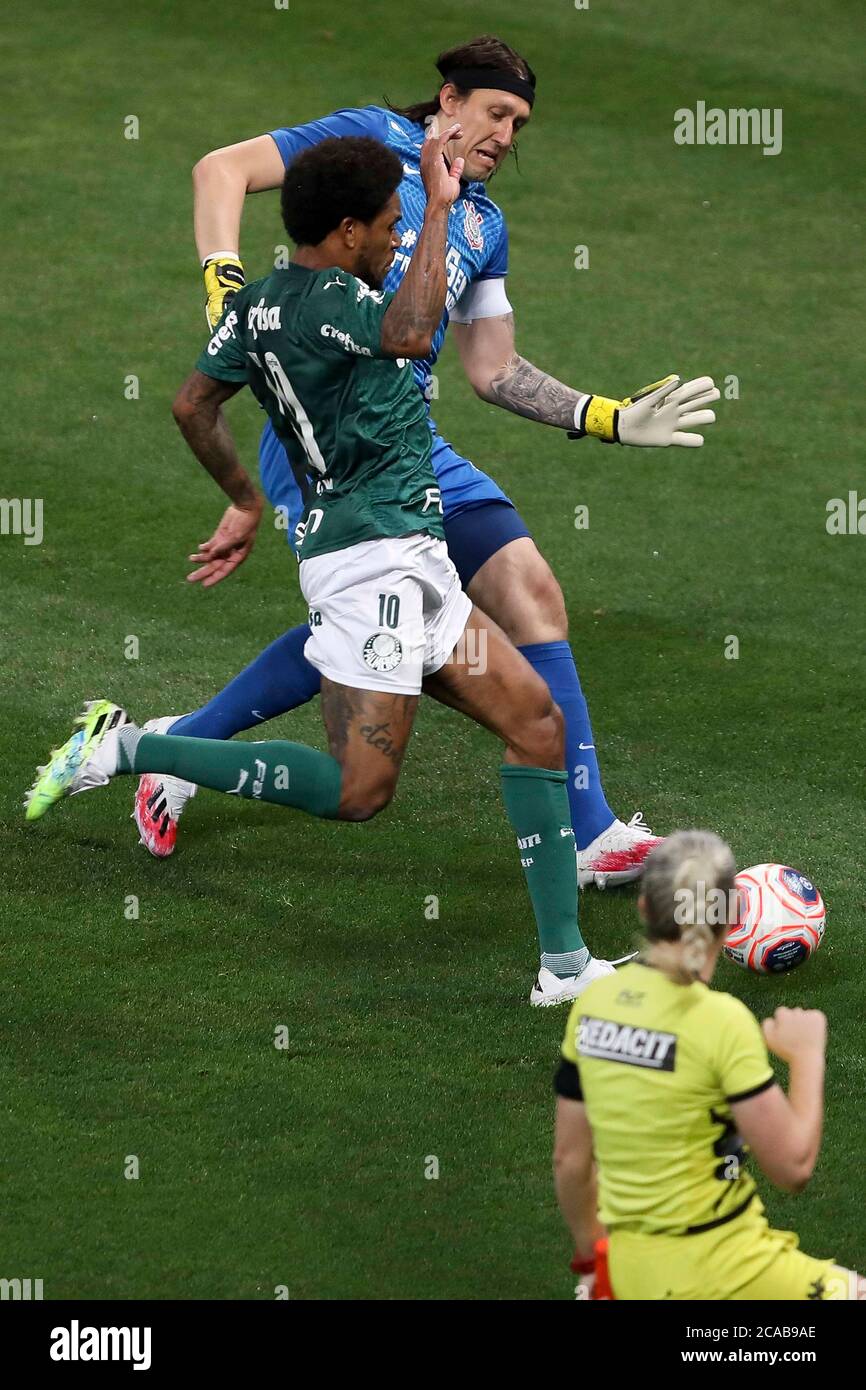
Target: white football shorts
<point>384,613</point>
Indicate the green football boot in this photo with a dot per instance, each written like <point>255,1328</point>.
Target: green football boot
<point>88,759</point>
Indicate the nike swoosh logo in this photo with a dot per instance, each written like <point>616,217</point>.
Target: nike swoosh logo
<point>257,713</point>
<point>585,746</point>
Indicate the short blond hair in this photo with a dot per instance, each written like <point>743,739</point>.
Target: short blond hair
<point>679,876</point>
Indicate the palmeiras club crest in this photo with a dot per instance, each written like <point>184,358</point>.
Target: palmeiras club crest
<point>472,226</point>
<point>383,651</point>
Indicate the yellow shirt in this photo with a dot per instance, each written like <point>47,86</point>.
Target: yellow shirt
<point>658,1065</point>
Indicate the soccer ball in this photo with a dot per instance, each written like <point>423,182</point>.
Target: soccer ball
<point>780,919</point>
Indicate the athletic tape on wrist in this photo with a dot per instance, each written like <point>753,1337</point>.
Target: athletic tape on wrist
<point>220,256</point>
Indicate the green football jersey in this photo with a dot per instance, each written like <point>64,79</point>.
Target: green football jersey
<point>307,342</point>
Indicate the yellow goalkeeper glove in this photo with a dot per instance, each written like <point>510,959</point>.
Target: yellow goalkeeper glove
<point>654,417</point>
<point>223,277</point>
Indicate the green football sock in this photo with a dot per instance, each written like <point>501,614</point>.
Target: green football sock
<point>288,774</point>
<point>537,804</point>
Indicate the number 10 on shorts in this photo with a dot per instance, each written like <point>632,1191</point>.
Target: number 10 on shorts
<point>389,610</point>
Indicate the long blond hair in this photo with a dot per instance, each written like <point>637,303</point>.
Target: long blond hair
<point>683,876</point>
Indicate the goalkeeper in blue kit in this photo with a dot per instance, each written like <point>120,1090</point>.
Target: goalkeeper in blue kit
<point>491,89</point>
<point>326,353</point>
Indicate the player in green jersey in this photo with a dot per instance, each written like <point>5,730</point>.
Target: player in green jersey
<point>316,348</point>
<point>328,356</point>
<point>667,1086</point>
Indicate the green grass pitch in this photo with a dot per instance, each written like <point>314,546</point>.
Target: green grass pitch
<point>409,1036</point>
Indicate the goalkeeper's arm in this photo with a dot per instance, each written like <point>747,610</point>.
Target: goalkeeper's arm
<point>221,182</point>
<point>658,415</point>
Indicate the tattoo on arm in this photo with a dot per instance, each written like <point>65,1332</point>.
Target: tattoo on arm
<point>415,312</point>
<point>526,390</point>
<point>204,427</point>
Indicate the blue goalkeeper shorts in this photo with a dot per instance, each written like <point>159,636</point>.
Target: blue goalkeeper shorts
<point>479,518</point>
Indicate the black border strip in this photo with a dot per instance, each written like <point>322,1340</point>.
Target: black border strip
<point>720,1220</point>
<point>755,1091</point>
<point>566,1081</point>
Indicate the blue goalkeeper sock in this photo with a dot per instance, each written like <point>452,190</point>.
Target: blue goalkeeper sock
<point>590,813</point>
<point>280,679</point>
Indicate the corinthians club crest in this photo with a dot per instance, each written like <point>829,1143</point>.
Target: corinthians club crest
<point>472,226</point>
<point>383,651</point>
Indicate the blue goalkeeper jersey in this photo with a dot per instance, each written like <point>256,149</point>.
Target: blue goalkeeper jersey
<point>477,236</point>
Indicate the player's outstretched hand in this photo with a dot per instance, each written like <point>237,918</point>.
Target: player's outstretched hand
<point>793,1031</point>
<point>441,182</point>
<point>667,413</point>
<point>227,548</point>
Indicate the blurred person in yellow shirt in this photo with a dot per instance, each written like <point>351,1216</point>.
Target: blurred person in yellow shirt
<point>664,1090</point>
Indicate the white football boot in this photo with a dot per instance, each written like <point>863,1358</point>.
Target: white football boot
<point>617,855</point>
<point>550,989</point>
<point>160,800</point>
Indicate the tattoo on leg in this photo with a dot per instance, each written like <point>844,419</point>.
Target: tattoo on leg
<point>337,712</point>
<point>379,736</point>
<point>344,708</point>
